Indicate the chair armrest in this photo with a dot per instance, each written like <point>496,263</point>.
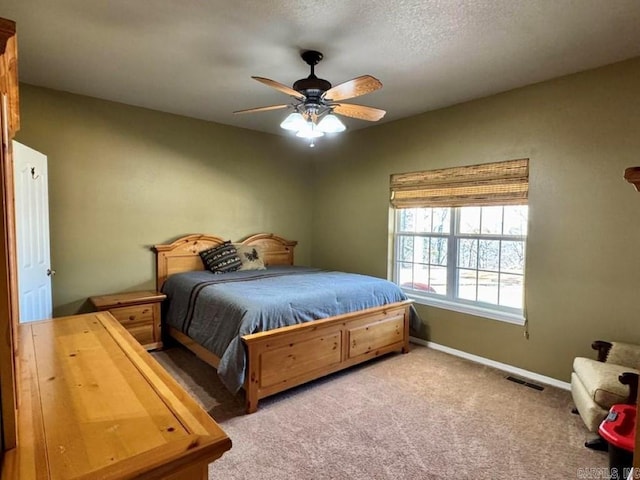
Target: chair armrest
<point>603,349</point>
<point>631,379</point>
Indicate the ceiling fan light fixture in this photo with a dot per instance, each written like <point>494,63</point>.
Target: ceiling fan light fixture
<point>331,124</point>
<point>294,121</point>
<point>309,130</point>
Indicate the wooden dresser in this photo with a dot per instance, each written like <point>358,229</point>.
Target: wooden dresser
<point>95,405</point>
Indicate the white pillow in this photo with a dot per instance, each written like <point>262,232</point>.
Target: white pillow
<point>251,257</point>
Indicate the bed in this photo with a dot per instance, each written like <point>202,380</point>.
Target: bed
<point>279,358</point>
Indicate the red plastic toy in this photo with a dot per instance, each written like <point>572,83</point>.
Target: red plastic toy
<point>619,428</point>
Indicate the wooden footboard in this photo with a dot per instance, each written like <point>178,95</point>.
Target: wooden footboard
<point>289,356</point>
<point>281,359</point>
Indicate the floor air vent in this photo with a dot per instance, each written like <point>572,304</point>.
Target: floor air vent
<point>525,383</point>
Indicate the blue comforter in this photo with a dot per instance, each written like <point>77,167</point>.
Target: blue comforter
<point>216,310</point>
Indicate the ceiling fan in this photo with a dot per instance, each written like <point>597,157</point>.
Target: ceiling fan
<point>315,101</point>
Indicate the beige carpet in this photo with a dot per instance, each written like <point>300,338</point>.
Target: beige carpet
<point>424,415</point>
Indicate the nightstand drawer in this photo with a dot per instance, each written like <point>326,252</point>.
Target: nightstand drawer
<point>142,332</point>
<point>138,320</point>
<point>131,316</point>
<point>138,312</point>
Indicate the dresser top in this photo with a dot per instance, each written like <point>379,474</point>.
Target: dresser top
<point>95,404</point>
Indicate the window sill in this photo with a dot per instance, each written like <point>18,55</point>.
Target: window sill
<point>508,317</point>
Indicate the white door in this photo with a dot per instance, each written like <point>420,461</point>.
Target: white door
<point>32,233</point>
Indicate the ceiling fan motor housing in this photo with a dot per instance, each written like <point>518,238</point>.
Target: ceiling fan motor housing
<point>312,87</point>
<point>311,83</point>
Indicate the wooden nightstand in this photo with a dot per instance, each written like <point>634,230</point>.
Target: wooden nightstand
<point>138,312</point>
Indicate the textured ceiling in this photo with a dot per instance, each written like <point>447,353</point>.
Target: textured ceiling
<point>196,57</point>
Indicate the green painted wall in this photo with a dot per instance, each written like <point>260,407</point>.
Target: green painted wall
<point>124,178</point>
<point>583,258</point>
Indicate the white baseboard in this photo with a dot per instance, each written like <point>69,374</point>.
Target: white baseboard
<point>536,377</point>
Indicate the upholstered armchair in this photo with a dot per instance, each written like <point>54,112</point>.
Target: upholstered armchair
<point>596,385</point>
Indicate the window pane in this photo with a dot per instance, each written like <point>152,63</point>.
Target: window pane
<point>423,220</point>
<point>441,220</point>
<point>405,274</point>
<point>468,253</point>
<point>512,257</point>
<point>405,248</point>
<point>488,287</point>
<point>491,220</point>
<point>489,254</point>
<point>438,280</point>
<point>438,251</point>
<point>421,249</point>
<point>467,283</point>
<point>511,290</point>
<point>470,220</point>
<point>407,220</point>
<point>515,219</point>
<point>420,274</point>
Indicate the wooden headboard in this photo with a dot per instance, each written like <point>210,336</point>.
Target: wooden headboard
<point>183,254</point>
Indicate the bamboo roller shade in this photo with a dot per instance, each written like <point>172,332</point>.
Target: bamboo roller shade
<point>497,183</point>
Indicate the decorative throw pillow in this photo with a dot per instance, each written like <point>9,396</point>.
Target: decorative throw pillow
<point>251,257</point>
<point>221,259</point>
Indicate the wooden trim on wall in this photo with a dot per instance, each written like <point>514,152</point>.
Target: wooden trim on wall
<point>9,122</point>
<point>9,72</point>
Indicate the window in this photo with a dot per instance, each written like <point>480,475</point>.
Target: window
<point>460,237</point>
<point>472,256</point>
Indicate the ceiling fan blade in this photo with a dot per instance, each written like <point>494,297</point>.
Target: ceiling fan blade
<point>359,111</point>
<point>353,88</point>
<point>262,109</point>
<point>279,86</point>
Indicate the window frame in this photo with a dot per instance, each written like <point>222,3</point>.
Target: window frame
<point>450,300</point>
